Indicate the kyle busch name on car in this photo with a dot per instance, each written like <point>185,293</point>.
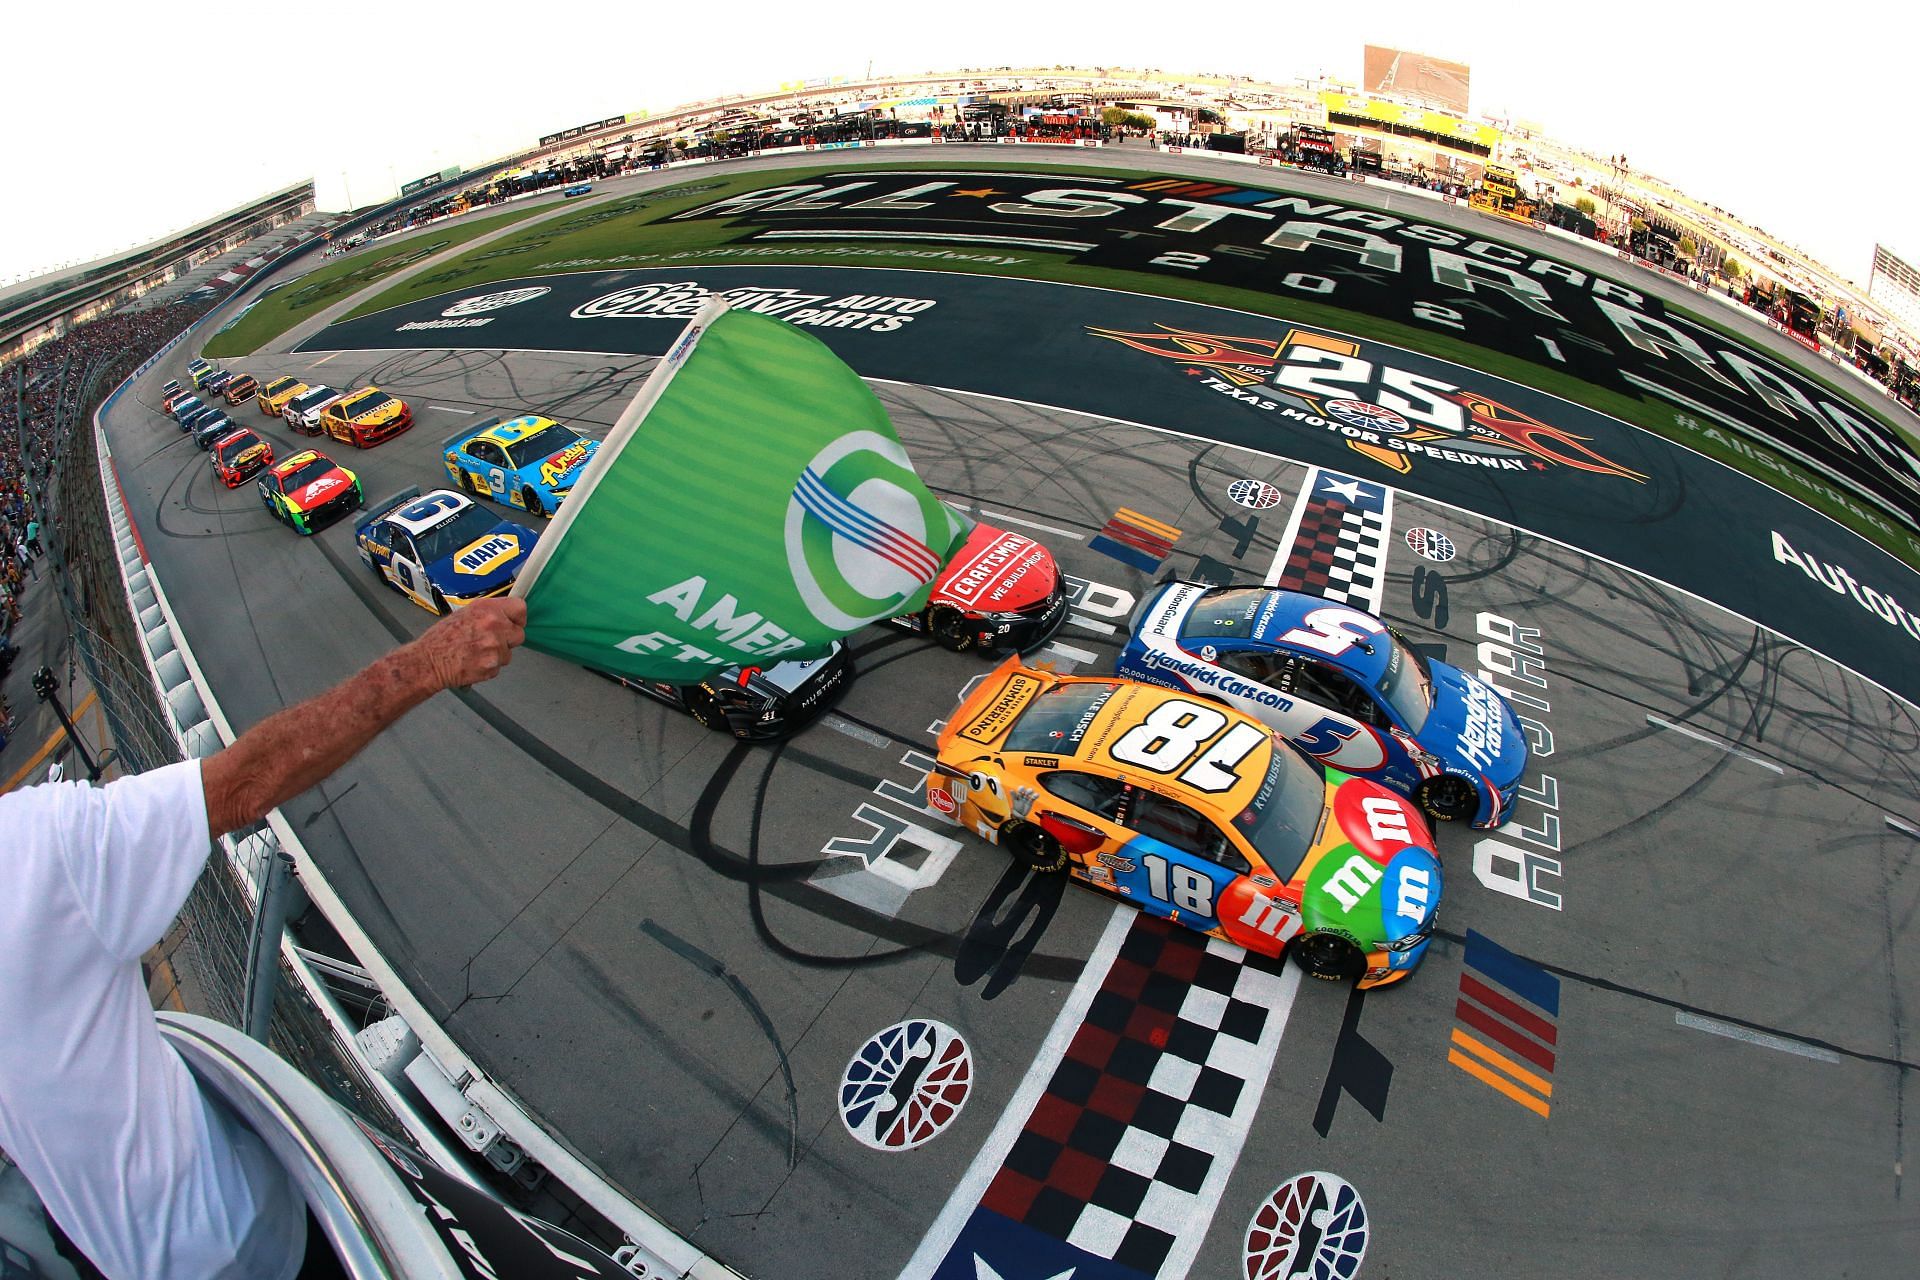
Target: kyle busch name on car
<point>680,300</point>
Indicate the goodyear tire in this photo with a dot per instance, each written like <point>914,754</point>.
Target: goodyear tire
<point>1448,798</point>
<point>705,708</point>
<point>948,626</point>
<point>439,602</point>
<point>531,501</point>
<point>1327,956</point>
<point>1032,847</point>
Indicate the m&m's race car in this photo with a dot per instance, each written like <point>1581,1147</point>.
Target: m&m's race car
<point>1001,592</point>
<point>1195,812</point>
<point>440,549</point>
<point>1342,686</point>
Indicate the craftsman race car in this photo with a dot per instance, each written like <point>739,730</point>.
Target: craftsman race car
<point>757,704</point>
<point>1002,591</point>
<point>274,395</point>
<point>441,550</point>
<point>527,462</point>
<point>308,490</point>
<point>1193,812</point>
<point>238,456</point>
<point>1342,686</point>
<point>365,417</point>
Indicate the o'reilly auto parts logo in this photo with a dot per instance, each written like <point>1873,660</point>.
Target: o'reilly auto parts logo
<point>682,299</point>
<point>857,532</point>
<point>495,301</point>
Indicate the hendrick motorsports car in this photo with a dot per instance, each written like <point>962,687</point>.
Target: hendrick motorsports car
<point>184,405</point>
<point>217,383</point>
<point>1194,812</point>
<point>274,395</point>
<point>1002,591</point>
<point>441,550</point>
<point>1343,686</point>
<point>365,417</point>
<point>308,491</point>
<point>239,455</point>
<point>757,704</point>
<point>303,411</point>
<point>528,462</point>
<point>198,371</point>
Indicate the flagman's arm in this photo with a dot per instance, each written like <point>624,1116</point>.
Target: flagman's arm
<point>298,747</point>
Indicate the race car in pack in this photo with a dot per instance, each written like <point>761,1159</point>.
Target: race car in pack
<point>242,387</point>
<point>191,417</point>
<point>217,382</point>
<point>198,371</point>
<point>212,426</point>
<point>757,704</point>
<point>1342,686</point>
<point>184,405</point>
<point>274,395</point>
<point>440,549</point>
<point>528,462</point>
<point>365,417</point>
<point>238,456</point>
<point>309,490</point>
<point>1002,591</point>
<point>1194,812</point>
<point>168,389</point>
<point>303,411</point>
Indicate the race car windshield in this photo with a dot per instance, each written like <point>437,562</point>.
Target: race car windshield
<point>1284,815</point>
<point>1407,685</point>
<point>1229,613</point>
<point>237,446</point>
<point>541,444</point>
<point>441,541</point>
<point>365,404</point>
<point>309,400</point>
<point>306,475</point>
<point>1056,720</point>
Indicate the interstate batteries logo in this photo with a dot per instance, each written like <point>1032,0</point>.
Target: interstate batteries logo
<point>1392,416</point>
<point>682,299</point>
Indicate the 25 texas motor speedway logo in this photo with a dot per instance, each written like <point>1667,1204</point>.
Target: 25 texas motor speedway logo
<point>1392,416</point>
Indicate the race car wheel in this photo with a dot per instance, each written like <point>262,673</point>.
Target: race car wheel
<point>1328,956</point>
<point>439,602</point>
<point>705,708</point>
<point>949,628</point>
<point>1033,847</point>
<point>531,501</point>
<point>1448,798</point>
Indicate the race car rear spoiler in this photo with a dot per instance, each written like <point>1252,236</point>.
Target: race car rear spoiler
<point>382,507</point>
<point>461,437</point>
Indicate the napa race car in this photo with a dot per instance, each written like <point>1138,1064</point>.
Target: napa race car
<point>309,490</point>
<point>528,462</point>
<point>757,704</point>
<point>441,550</point>
<point>365,417</point>
<point>1002,591</point>
<point>1342,686</point>
<point>1195,812</point>
<point>239,455</point>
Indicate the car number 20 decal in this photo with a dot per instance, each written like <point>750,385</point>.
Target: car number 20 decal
<point>1170,739</point>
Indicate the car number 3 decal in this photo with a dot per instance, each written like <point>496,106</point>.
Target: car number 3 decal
<point>1174,739</point>
<point>1332,630</point>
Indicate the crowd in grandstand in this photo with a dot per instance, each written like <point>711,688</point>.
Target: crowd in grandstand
<point>31,393</point>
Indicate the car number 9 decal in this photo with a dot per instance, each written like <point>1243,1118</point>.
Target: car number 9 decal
<point>1173,734</point>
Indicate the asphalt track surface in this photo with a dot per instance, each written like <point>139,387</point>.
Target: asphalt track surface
<point>634,926</point>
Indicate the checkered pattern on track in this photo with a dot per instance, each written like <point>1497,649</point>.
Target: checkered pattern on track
<point>1340,551</point>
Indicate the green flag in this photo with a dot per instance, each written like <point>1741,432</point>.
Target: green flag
<point>751,505</point>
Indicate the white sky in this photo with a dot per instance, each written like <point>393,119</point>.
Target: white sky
<point>148,121</point>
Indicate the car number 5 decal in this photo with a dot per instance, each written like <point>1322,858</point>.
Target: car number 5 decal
<point>1333,630</point>
<point>1173,734</point>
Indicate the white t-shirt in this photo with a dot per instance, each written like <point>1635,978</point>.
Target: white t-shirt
<point>149,1177</point>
